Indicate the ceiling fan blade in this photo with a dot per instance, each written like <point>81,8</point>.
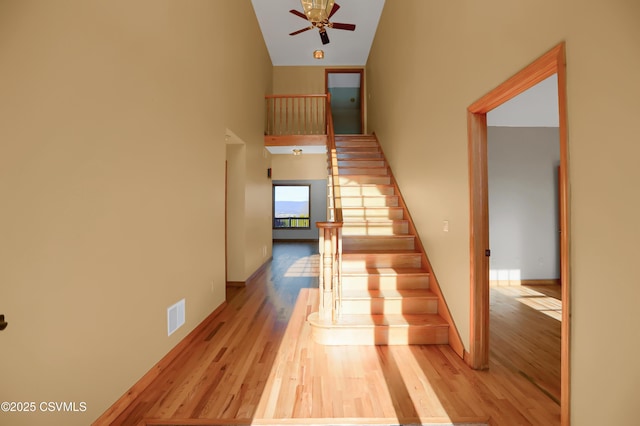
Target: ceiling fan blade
<point>300,14</point>
<point>339,26</point>
<point>301,31</point>
<point>336,6</point>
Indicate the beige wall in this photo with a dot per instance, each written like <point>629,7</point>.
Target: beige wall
<point>298,80</point>
<point>112,185</point>
<point>303,167</point>
<point>426,67</point>
<point>248,79</point>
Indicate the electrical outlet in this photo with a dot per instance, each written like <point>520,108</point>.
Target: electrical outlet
<point>445,226</point>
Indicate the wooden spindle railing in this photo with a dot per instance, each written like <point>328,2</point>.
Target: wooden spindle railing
<point>330,243</point>
<point>307,117</point>
<point>296,115</point>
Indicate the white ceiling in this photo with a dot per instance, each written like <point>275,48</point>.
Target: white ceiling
<point>346,47</point>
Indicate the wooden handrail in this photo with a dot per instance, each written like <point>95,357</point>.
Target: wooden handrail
<point>330,242</point>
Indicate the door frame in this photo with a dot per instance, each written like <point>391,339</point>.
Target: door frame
<point>360,71</point>
<point>552,62</point>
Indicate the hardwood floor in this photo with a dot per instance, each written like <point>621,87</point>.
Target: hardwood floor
<point>525,333</point>
<point>257,364</point>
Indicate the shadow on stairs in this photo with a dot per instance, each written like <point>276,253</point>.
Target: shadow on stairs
<point>387,290</point>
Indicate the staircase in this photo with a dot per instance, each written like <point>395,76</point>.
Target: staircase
<point>386,295</point>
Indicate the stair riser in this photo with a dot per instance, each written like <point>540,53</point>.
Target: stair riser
<point>357,143</point>
<point>393,243</point>
<point>381,180</point>
<point>363,171</point>
<point>357,262</point>
<point>390,201</point>
<point>370,228</point>
<point>417,305</point>
<point>359,155</point>
<point>377,282</point>
<point>361,163</point>
<point>372,213</point>
<point>357,191</point>
<point>413,335</point>
<point>341,149</point>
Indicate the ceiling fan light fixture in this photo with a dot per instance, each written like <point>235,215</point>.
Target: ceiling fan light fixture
<point>317,10</point>
<point>318,54</point>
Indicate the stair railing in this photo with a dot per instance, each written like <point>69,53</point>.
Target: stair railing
<point>330,242</point>
<point>295,115</point>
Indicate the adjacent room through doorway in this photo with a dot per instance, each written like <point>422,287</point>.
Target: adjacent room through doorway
<point>346,89</point>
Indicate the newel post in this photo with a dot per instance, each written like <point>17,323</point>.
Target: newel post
<point>330,248</point>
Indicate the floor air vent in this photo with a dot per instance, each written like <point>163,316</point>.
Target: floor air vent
<point>175,316</point>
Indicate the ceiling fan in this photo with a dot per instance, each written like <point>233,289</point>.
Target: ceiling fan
<point>318,13</point>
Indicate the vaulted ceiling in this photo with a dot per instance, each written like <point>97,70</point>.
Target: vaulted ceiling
<point>345,47</point>
<point>536,107</point>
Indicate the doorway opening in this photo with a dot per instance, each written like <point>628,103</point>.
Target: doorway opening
<point>552,62</point>
<point>524,276</point>
<point>346,87</point>
<point>235,171</point>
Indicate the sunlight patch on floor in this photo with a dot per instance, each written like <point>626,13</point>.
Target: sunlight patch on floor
<point>542,303</point>
<point>307,266</point>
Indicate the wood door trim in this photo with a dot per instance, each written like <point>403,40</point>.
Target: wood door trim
<point>360,71</point>
<point>552,62</point>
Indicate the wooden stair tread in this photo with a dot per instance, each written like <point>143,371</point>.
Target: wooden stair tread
<point>387,294</point>
<point>373,208</point>
<point>384,320</point>
<point>355,174</point>
<point>371,196</point>
<point>379,237</point>
<point>354,208</point>
<point>355,253</point>
<point>381,222</point>
<point>353,220</point>
<point>366,185</point>
<point>367,168</point>
<point>385,272</point>
<point>377,221</point>
<point>369,200</point>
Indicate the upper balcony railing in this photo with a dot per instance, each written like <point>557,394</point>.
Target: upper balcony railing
<point>289,115</point>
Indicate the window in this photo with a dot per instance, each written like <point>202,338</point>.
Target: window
<point>291,206</point>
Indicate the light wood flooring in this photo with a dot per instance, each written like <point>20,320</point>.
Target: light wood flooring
<point>525,333</point>
<point>256,364</point>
